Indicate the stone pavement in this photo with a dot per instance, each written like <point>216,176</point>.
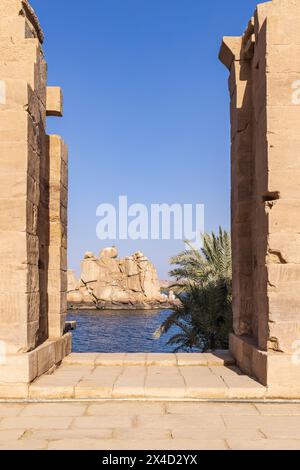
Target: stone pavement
<point>149,425</point>
<point>160,376</point>
<point>148,402</point>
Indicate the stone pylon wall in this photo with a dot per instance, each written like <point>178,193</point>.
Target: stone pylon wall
<point>33,206</point>
<point>264,89</point>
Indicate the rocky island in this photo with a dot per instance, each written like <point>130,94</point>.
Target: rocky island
<point>109,282</point>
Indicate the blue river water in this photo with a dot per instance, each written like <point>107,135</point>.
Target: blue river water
<point>120,331</point>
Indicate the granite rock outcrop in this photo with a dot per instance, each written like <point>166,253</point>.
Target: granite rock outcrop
<point>109,282</point>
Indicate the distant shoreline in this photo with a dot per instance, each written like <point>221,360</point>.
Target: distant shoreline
<point>74,306</point>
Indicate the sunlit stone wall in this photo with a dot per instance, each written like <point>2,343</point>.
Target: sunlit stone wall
<point>264,86</point>
<point>33,206</point>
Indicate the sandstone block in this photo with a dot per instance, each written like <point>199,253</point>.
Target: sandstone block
<point>283,29</point>
<point>286,183</point>
<point>17,391</point>
<point>283,372</point>
<point>45,357</point>
<point>64,169</point>
<point>284,120</point>
<point>18,248</point>
<point>230,50</point>
<point>57,258</point>
<point>16,95</point>
<point>19,368</point>
<point>19,307</point>
<point>279,216</point>
<point>11,8</point>
<point>279,58</point>
<point>21,70</point>
<point>265,189</point>
<point>18,186</point>
<point>56,330</point>
<point>284,335</point>
<point>280,89</point>
<point>16,28</point>
<point>24,209</point>
<point>284,277</point>
<point>284,248</point>
<point>24,278</point>
<point>17,126</point>
<point>56,151</point>
<point>62,346</point>
<point>58,234</point>
<point>23,215</point>
<point>57,281</point>
<point>17,157</point>
<point>57,303</point>
<point>54,101</point>
<point>27,50</point>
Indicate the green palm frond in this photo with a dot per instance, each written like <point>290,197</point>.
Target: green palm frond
<point>203,282</point>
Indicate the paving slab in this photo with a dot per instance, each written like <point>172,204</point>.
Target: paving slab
<point>59,410</point>
<point>8,409</point>
<point>272,409</point>
<point>149,425</point>
<point>33,422</point>
<point>164,381</point>
<point>263,444</point>
<point>99,384</point>
<point>132,408</point>
<point>147,376</point>
<point>24,445</point>
<point>159,444</point>
<point>130,383</point>
<point>163,359</point>
<point>102,422</point>
<point>68,434</point>
<point>49,386</point>
<point>86,359</point>
<point>173,422</point>
<point>198,409</point>
<point>201,382</point>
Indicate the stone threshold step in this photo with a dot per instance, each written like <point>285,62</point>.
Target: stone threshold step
<point>92,389</point>
<point>216,401</point>
<point>147,376</point>
<point>217,358</point>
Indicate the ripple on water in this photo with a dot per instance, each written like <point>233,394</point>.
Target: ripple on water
<point>120,331</point>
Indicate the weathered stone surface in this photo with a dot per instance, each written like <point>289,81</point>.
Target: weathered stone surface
<point>73,283</point>
<point>89,270</point>
<point>111,252</point>
<point>111,282</point>
<point>145,425</point>
<point>33,206</point>
<point>54,106</point>
<point>265,112</point>
<point>102,378</point>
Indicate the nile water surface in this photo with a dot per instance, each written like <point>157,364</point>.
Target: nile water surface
<point>119,331</point>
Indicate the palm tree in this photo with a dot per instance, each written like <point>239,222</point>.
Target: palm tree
<point>203,282</point>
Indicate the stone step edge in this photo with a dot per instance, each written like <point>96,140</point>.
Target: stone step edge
<point>39,393</point>
<point>264,400</point>
<point>220,358</point>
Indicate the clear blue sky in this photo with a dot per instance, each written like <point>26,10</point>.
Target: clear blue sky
<point>146,108</point>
